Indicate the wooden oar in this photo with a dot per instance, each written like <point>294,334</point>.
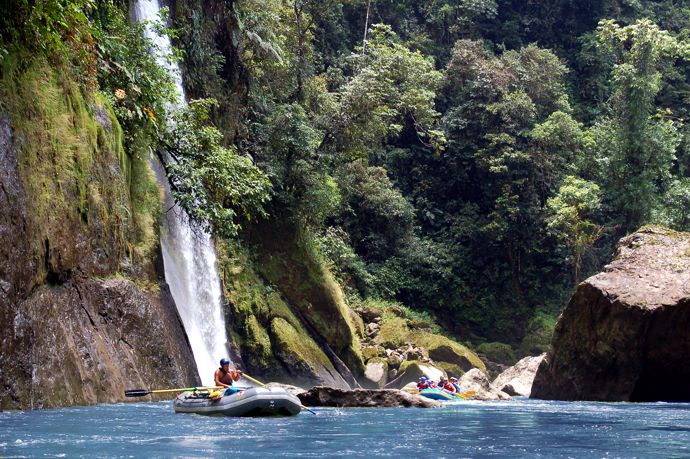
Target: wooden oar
<point>143,392</point>
<point>264,385</point>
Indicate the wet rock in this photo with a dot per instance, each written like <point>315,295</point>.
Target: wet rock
<point>294,390</point>
<point>381,398</point>
<point>624,334</point>
<point>518,379</point>
<point>475,380</point>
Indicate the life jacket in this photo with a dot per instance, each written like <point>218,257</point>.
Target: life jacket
<point>226,378</point>
<point>449,386</point>
<point>423,385</point>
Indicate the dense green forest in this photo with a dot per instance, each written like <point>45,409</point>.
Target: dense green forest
<point>472,159</point>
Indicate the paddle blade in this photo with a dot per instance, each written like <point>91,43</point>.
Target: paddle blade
<point>136,392</point>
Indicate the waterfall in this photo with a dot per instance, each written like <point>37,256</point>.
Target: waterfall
<point>189,256</point>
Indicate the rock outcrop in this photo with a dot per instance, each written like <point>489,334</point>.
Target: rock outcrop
<point>476,381</point>
<point>625,334</point>
<point>518,379</point>
<point>382,398</point>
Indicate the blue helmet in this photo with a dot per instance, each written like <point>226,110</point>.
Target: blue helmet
<point>423,378</point>
<point>224,361</point>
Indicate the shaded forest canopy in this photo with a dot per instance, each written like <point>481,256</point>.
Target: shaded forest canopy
<point>471,159</point>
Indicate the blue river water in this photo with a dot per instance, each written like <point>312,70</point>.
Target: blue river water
<point>519,428</point>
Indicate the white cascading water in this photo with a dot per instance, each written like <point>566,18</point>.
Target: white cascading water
<point>189,256</point>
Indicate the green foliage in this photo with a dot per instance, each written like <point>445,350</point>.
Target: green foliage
<point>137,86</point>
<point>391,86</point>
<point>637,149</point>
<point>497,352</point>
<point>217,187</point>
<point>672,210</point>
<point>568,214</point>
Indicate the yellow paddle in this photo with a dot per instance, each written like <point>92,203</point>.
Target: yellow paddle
<point>264,385</point>
<point>142,392</point>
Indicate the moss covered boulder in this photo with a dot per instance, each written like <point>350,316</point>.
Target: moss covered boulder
<point>442,349</point>
<point>393,333</point>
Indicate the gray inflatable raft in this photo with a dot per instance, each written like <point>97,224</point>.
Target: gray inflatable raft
<point>257,401</point>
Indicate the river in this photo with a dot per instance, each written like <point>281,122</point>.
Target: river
<point>519,428</point>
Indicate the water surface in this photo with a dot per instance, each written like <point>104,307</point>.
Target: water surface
<point>520,428</point>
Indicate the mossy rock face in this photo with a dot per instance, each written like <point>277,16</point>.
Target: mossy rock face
<point>393,333</point>
<point>302,357</point>
<point>288,260</point>
<point>450,368</point>
<point>358,323</point>
<point>442,349</point>
<point>257,345</point>
<point>497,352</point>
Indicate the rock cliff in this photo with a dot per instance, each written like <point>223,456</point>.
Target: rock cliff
<point>82,312</point>
<point>625,334</point>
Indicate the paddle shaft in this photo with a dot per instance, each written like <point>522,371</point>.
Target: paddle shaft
<point>264,385</point>
<point>143,392</point>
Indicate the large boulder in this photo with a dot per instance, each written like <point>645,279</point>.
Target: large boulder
<point>375,373</point>
<point>624,335</point>
<point>442,349</point>
<point>384,398</point>
<point>411,371</point>
<point>476,381</point>
<point>518,379</point>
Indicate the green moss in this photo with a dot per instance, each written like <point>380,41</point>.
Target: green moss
<point>498,352</point>
<point>451,369</point>
<point>257,343</point>
<point>73,163</point>
<point>358,323</point>
<point>297,349</point>
<point>369,352</point>
<point>287,259</point>
<point>393,332</point>
<point>416,319</point>
<point>442,349</point>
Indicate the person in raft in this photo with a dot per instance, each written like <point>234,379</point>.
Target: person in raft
<point>449,386</point>
<point>224,376</point>
<point>454,382</point>
<point>423,383</point>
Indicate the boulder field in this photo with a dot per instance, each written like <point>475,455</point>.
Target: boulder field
<point>625,333</point>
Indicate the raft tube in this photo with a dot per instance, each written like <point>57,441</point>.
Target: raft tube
<point>257,401</point>
<point>439,394</point>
